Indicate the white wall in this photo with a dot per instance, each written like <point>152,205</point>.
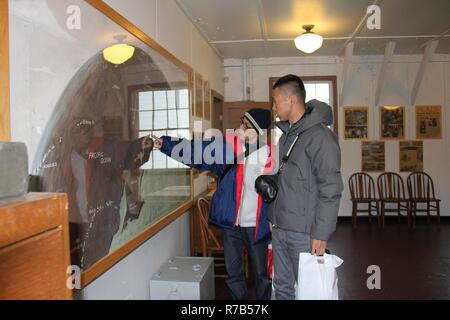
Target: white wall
<point>399,80</point>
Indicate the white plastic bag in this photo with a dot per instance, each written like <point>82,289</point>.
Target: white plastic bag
<point>317,277</point>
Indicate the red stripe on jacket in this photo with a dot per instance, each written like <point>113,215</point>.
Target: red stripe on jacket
<point>268,168</point>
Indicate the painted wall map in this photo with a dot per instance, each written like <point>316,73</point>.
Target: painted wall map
<point>428,122</point>
<point>91,115</point>
<point>411,156</point>
<point>373,156</point>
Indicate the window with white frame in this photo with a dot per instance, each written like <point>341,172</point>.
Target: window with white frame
<point>321,90</point>
<point>163,113</point>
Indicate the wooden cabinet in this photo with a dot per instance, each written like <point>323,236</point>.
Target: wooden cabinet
<point>34,247</point>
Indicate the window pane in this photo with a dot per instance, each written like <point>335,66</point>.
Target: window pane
<point>159,159</point>
<point>183,118</point>
<point>310,91</point>
<point>145,120</point>
<point>171,104</point>
<point>172,118</point>
<point>171,163</point>
<point>144,133</point>
<point>323,92</point>
<point>184,134</point>
<point>160,100</point>
<point>160,119</point>
<point>183,96</point>
<point>145,100</point>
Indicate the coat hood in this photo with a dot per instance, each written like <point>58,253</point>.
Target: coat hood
<point>316,112</point>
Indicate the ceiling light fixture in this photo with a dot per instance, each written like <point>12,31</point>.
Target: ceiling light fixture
<point>118,53</point>
<point>308,42</point>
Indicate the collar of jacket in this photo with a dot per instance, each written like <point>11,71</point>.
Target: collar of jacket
<point>315,112</point>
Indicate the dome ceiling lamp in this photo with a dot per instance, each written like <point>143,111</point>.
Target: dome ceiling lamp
<point>308,42</point>
<point>118,53</point>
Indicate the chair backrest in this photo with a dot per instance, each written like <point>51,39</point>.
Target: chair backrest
<point>361,186</point>
<point>390,186</point>
<point>209,239</point>
<point>420,185</point>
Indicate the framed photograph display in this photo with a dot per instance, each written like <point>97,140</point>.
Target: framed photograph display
<point>411,156</point>
<point>356,122</point>
<point>207,101</point>
<point>428,122</point>
<point>198,95</point>
<point>100,87</point>
<point>392,122</point>
<point>373,156</point>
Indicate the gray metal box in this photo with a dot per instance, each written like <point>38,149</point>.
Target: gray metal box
<point>184,278</point>
<point>13,169</point>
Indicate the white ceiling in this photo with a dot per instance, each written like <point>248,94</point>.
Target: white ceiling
<point>266,28</point>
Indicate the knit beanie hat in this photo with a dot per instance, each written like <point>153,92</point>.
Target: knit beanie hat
<point>261,119</point>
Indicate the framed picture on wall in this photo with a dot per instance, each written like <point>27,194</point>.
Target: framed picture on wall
<point>198,95</point>
<point>428,122</point>
<point>392,122</point>
<point>411,156</point>
<point>373,156</point>
<point>207,101</point>
<point>356,122</point>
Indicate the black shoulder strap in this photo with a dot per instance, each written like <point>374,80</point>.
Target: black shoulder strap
<point>288,154</point>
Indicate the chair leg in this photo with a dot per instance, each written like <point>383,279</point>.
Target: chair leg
<point>378,213</point>
<point>415,213</point>
<point>354,209</point>
<point>428,212</point>
<point>438,213</point>
<point>382,214</point>
<point>408,213</point>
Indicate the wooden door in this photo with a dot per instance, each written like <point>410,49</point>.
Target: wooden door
<point>233,111</point>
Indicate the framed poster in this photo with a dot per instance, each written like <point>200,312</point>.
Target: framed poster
<point>392,122</point>
<point>207,101</point>
<point>373,156</point>
<point>428,122</point>
<point>356,122</point>
<point>411,156</point>
<point>95,114</point>
<point>198,95</point>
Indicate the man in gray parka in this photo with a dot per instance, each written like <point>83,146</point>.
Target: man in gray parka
<point>304,214</point>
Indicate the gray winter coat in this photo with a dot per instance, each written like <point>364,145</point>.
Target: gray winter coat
<point>310,184</point>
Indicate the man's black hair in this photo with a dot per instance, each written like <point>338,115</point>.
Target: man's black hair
<point>294,83</point>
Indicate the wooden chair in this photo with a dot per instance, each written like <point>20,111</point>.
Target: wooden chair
<point>211,245</point>
<point>362,191</point>
<point>391,191</point>
<point>421,191</point>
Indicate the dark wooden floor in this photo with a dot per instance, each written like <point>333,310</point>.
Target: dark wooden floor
<point>414,263</point>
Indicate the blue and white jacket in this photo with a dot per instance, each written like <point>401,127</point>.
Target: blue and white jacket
<point>226,200</point>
